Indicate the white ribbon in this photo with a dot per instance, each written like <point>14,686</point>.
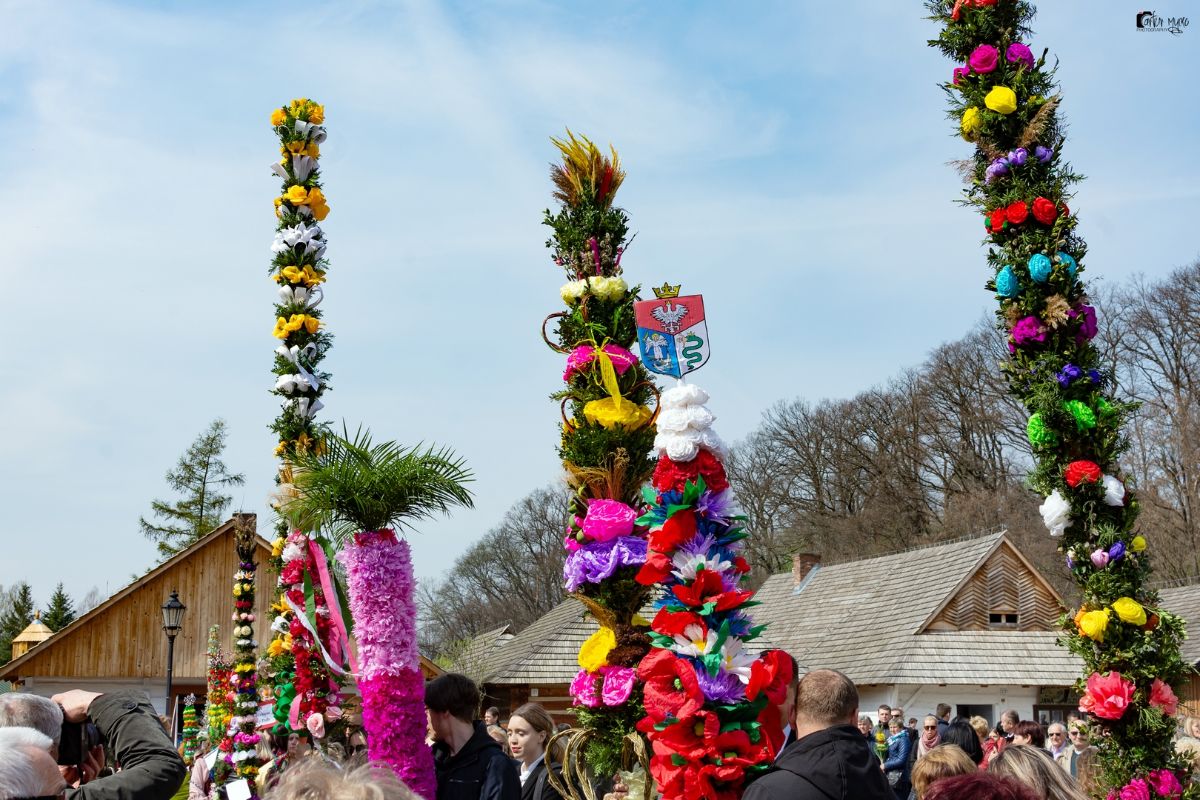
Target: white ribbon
<point>302,380</point>
<point>279,170</point>
<point>314,133</point>
<point>302,166</point>
<point>308,626</point>
<point>307,407</point>
<point>298,295</point>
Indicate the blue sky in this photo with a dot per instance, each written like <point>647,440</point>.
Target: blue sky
<point>788,160</point>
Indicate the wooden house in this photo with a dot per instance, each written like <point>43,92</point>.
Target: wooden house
<point>120,643</point>
<point>970,623</point>
<point>1185,602</point>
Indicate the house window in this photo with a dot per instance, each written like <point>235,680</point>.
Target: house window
<point>1002,619</point>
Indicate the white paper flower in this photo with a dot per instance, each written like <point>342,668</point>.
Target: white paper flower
<point>1056,513</point>
<point>292,552</point>
<point>571,291</point>
<point>1114,491</point>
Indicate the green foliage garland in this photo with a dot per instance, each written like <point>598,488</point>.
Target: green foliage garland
<point>1004,100</point>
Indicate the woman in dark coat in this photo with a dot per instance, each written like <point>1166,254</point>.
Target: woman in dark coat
<point>529,728</point>
<point>895,767</point>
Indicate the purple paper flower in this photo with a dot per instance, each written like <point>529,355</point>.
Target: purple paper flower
<point>984,58</point>
<point>1087,322</point>
<point>1070,562</point>
<point>1043,154</point>
<point>1028,330</point>
<point>995,170</point>
<point>1018,157</point>
<point>1095,376</point>
<point>724,687</point>
<point>716,506</point>
<point>596,561</point>
<point>1116,552</point>
<point>1068,374</point>
<point>1018,52</point>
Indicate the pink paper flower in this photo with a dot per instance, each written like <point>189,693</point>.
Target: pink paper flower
<point>984,58</point>
<point>608,519</point>
<point>316,725</point>
<point>579,359</point>
<point>333,713</point>
<point>1135,790</point>
<point>1165,783</point>
<point>1163,697</point>
<point>1107,696</point>
<point>1019,53</point>
<point>1100,558</point>
<point>618,684</point>
<point>583,689</point>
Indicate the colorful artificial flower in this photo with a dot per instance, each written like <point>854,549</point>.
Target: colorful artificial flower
<point>1099,558</point>
<point>583,689</point>
<point>1164,782</point>
<point>673,476</point>
<point>984,58</point>
<point>595,562</point>
<point>1082,471</point>
<point>670,686</point>
<point>278,117</point>
<point>1006,282</point>
<point>1114,493</point>
<point>1137,544</point>
<point>960,73</point>
<point>1086,316</point>
<point>1107,696</point>
<point>971,123</point>
<point>617,685</point>
<point>1018,53</point>
<point>1130,611</point>
<point>572,291</point>
<point>1081,412</point>
<point>1044,211</point>
<point>1068,261</point>
<point>1040,434</point>
<point>594,653</point>
<point>608,519</point>
<point>1162,697</point>
<point>679,528</point>
<point>1093,624</point>
<point>1016,212</point>
<point>1136,789</point>
<point>1056,513</point>
<point>1001,99</point>
<point>1040,266</point>
<point>1027,331</point>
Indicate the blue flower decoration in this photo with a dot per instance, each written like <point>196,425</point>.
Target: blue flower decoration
<point>1006,282</point>
<point>1069,260</point>
<point>1040,268</point>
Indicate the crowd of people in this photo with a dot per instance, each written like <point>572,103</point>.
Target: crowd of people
<point>89,746</point>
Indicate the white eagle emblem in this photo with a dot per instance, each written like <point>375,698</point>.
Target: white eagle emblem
<point>670,316</point>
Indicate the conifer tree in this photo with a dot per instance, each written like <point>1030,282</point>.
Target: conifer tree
<point>199,477</point>
<point>61,611</point>
<point>15,619</point>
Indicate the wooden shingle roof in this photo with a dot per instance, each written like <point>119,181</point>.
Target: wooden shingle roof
<point>869,619</point>
<point>1184,601</point>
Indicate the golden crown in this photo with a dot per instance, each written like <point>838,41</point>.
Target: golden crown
<point>666,291</point>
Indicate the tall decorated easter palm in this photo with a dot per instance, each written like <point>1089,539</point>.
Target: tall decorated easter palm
<point>1004,101</point>
<point>358,492</point>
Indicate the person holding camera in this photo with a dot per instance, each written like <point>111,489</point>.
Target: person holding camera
<point>80,722</point>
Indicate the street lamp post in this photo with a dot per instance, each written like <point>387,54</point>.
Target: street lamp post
<point>172,612</point>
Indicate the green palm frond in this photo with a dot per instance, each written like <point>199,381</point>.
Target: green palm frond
<point>352,484</point>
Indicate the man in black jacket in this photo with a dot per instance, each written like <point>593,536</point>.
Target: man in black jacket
<point>150,767</point>
<point>470,764</point>
<point>828,760</point>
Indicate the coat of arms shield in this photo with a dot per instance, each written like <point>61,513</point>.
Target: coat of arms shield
<point>672,334</point>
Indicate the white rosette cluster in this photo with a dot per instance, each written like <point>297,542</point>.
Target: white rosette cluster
<point>685,425</point>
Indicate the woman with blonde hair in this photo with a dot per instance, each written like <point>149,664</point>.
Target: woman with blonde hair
<point>940,762</point>
<point>930,738</point>
<point>1034,768</point>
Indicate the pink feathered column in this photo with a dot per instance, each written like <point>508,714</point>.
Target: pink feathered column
<point>382,601</point>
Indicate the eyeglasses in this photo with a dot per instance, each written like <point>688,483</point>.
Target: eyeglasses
<point>1054,733</point>
<point>1073,734</point>
<point>931,727</point>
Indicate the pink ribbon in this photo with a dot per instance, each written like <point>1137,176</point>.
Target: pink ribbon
<point>339,640</point>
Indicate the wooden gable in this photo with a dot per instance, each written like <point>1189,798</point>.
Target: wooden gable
<point>123,638</point>
<point>1005,592</point>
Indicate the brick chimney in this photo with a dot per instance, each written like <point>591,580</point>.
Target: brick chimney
<point>802,565</point>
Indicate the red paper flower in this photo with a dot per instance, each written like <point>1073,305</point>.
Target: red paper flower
<point>669,475</point>
<point>673,623</point>
<point>680,528</point>
<point>708,588</point>
<point>1044,211</point>
<point>668,775</point>
<point>1017,212</point>
<point>770,725</point>
<point>1163,698</point>
<point>656,569</point>
<point>687,736</point>
<point>717,782</point>
<point>671,688</point>
<point>1078,472</point>
<point>1107,696</point>
<point>770,674</point>
<point>1066,212</point>
<point>999,217</point>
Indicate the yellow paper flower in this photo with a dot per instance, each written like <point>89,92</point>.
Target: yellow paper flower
<point>296,195</point>
<point>1130,611</point>
<point>306,275</point>
<point>594,653</point>
<point>972,121</point>
<point>278,117</point>
<point>316,114</point>
<point>313,150</point>
<point>1001,99</point>
<point>613,411</point>
<point>277,547</point>
<point>275,648</point>
<point>297,146</point>
<point>1092,624</point>
<point>1138,544</point>
<point>280,449</point>
<point>311,324</point>
<point>280,606</point>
